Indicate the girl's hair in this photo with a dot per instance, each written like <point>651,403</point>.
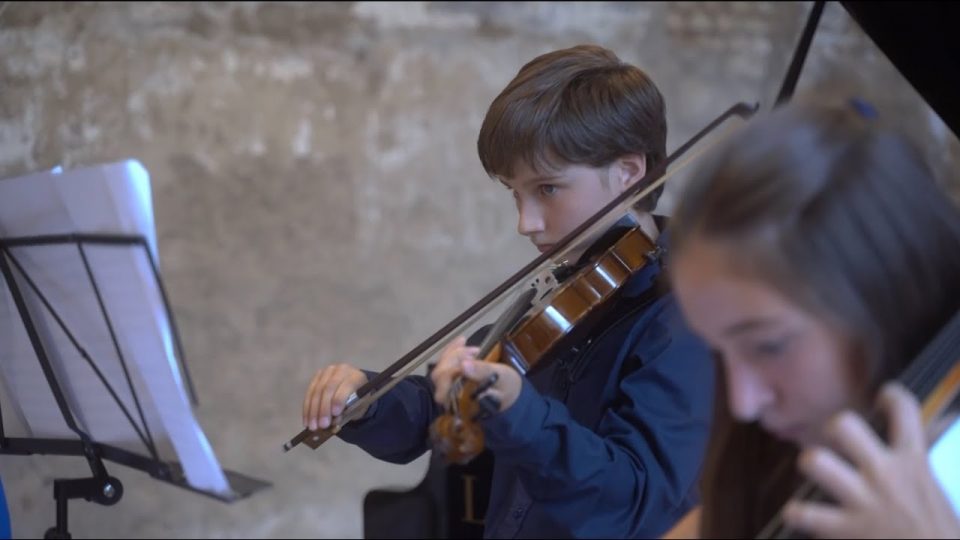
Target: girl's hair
<point>843,217</point>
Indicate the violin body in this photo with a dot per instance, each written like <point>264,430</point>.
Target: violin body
<point>561,319</point>
<point>578,299</point>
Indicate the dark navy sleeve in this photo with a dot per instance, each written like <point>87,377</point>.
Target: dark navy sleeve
<point>396,427</point>
<point>635,474</point>
<point>4,515</point>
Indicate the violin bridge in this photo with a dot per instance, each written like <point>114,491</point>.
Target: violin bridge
<point>543,282</point>
<point>654,254</point>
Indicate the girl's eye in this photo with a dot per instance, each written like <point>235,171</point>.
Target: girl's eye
<point>768,350</point>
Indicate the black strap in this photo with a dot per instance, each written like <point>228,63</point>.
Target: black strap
<point>793,73</point>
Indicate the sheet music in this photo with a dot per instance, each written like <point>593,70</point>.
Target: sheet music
<point>945,462</point>
<point>106,199</point>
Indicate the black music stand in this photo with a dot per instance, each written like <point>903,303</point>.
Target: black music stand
<point>100,488</point>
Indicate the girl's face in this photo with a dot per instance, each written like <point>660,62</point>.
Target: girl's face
<point>785,368</point>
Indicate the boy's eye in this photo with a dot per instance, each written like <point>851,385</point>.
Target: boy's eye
<point>547,189</point>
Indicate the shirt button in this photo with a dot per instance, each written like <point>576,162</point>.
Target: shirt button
<point>517,513</point>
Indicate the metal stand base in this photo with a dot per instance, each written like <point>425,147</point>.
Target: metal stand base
<point>99,490</point>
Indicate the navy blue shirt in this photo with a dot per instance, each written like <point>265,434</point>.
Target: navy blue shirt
<point>607,441</point>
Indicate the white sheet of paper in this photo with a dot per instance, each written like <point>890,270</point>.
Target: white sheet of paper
<point>945,462</point>
<point>113,198</point>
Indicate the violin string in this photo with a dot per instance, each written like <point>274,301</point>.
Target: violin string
<point>915,376</point>
<point>921,377</point>
<point>454,404</point>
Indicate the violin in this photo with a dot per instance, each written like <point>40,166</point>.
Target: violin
<point>527,344</point>
<point>933,376</point>
<point>573,304</point>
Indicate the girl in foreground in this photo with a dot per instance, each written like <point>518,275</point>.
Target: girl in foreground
<point>817,256</point>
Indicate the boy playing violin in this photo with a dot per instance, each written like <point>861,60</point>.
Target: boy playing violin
<point>607,440</point>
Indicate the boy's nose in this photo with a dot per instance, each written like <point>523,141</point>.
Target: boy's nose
<point>530,221</point>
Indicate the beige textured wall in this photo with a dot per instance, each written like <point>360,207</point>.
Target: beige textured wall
<point>318,197</point>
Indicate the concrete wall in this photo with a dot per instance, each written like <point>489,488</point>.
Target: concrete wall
<point>318,197</point>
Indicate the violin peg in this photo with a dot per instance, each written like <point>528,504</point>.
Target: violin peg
<point>491,380</point>
<point>490,405</point>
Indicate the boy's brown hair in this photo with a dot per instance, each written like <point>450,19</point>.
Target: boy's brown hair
<point>580,105</point>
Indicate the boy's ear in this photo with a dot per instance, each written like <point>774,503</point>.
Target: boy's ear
<point>628,170</point>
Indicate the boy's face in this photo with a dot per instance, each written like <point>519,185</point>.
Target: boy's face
<point>551,204</point>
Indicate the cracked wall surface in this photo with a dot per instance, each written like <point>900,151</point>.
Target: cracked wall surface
<point>318,197</point>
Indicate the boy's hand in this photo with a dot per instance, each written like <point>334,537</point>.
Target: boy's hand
<point>458,359</point>
<point>328,393</point>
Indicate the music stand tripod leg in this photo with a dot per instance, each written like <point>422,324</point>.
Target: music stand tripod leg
<point>106,491</point>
